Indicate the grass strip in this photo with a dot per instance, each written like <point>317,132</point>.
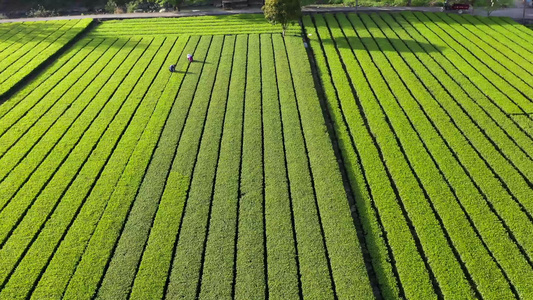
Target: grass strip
<point>251,280</point>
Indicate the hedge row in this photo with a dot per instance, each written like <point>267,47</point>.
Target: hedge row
<point>313,258</point>
<point>347,264</point>
<point>25,197</point>
<point>153,269</point>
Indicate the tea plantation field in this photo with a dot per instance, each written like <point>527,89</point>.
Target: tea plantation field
<point>433,117</point>
<point>120,179</point>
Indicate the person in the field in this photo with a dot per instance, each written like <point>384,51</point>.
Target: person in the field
<point>189,57</point>
<point>172,68</point>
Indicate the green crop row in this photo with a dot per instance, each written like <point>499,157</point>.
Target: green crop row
<point>410,265</point>
<point>197,158</point>
<point>281,255</point>
<point>9,29</point>
<point>496,25</point>
<point>489,28</point>
<point>18,120</point>
<point>70,58</point>
<point>217,276</point>
<point>42,248</point>
<point>477,260</point>
<point>489,184</point>
<point>26,195</point>
<point>38,139</point>
<point>14,153</point>
<point>330,70</point>
<point>413,79</point>
<point>123,105</point>
<point>348,269</point>
<point>488,225</point>
<point>250,280</point>
<point>522,162</point>
<point>18,39</point>
<point>136,133</point>
<point>22,66</point>
<point>141,213</point>
<point>24,50</point>
<point>510,160</point>
<point>474,50</point>
<point>20,221</point>
<point>505,52</point>
<point>166,186</point>
<point>127,255</point>
<point>14,189</point>
<point>420,213</point>
<point>316,281</point>
<point>520,30</point>
<point>482,75</point>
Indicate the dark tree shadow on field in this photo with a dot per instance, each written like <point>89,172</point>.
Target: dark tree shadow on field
<point>358,44</point>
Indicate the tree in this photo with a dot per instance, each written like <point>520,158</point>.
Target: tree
<point>492,5</point>
<point>282,12</point>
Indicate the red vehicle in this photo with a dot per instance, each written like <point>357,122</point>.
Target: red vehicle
<point>459,7</point>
